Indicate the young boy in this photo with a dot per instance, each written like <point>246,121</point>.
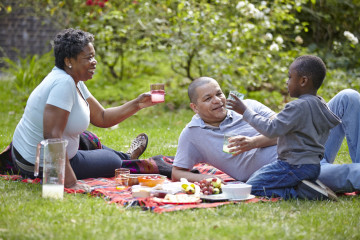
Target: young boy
<point>302,128</point>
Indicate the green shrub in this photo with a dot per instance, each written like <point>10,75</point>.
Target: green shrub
<point>26,73</point>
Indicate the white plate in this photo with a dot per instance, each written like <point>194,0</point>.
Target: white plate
<point>242,199</point>
<point>214,197</point>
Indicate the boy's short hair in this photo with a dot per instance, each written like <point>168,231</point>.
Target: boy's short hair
<point>312,67</point>
<point>194,85</point>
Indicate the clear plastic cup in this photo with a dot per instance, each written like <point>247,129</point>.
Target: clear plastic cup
<point>237,94</point>
<point>227,137</point>
<point>157,92</point>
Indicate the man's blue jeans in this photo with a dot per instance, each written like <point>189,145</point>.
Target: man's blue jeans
<point>279,178</point>
<point>343,177</point>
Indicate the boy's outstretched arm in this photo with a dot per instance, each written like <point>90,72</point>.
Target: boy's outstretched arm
<point>236,105</point>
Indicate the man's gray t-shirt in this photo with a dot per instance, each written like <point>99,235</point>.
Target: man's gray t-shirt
<point>199,142</point>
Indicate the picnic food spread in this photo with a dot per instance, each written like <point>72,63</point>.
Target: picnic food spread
<point>140,192</point>
<point>178,199</point>
<point>210,186</point>
<point>151,180</point>
<point>164,191</point>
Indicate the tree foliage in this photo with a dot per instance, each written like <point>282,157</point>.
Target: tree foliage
<point>327,22</point>
<point>246,45</point>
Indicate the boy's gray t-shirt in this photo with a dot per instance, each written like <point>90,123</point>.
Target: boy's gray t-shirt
<point>202,143</point>
<point>302,128</point>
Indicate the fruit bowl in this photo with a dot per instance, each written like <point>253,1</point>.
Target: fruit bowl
<point>237,191</point>
<point>151,180</point>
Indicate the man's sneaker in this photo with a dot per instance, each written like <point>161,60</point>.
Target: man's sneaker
<point>138,146</point>
<point>315,191</point>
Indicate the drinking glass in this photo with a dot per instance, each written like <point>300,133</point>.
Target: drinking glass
<point>157,92</point>
<point>122,176</point>
<point>237,94</point>
<point>227,137</point>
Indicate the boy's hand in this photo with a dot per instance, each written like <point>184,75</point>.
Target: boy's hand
<point>236,105</point>
<point>240,144</point>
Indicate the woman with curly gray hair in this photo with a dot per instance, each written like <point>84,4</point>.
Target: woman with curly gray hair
<point>61,106</point>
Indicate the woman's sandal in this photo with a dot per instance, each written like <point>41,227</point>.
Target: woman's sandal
<point>138,146</point>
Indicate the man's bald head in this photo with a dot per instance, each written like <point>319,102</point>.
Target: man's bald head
<point>195,84</point>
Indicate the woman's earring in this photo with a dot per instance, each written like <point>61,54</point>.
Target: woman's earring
<point>70,66</point>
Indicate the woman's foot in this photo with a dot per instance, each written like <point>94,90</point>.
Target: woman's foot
<point>138,146</point>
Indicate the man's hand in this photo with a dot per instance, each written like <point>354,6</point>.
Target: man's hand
<point>236,105</point>
<point>178,173</point>
<point>240,144</point>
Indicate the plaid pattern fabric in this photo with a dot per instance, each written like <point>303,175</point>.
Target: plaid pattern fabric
<point>205,168</point>
<point>173,207</point>
<point>19,178</point>
<point>106,188</point>
<point>157,208</point>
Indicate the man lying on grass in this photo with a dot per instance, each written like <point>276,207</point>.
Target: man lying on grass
<point>202,139</point>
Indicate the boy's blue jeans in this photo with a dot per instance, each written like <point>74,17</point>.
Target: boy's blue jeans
<point>279,178</point>
<point>343,177</point>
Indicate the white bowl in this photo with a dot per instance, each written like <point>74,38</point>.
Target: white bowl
<point>237,191</point>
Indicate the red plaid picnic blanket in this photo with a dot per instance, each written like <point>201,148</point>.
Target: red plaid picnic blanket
<point>106,188</point>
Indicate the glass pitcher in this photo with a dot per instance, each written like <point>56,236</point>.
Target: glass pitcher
<point>53,167</point>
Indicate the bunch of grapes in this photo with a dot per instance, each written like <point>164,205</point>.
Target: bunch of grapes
<point>209,186</point>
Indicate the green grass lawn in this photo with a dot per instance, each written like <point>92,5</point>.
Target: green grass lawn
<point>25,215</point>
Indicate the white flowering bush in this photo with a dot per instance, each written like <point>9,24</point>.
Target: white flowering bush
<point>354,40</point>
<point>332,32</point>
<point>299,40</point>
<point>274,47</point>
